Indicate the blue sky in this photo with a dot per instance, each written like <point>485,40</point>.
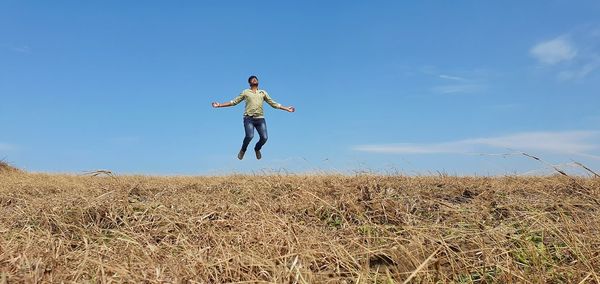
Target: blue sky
<point>384,86</point>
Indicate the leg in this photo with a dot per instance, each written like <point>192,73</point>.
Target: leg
<point>249,129</point>
<point>261,127</point>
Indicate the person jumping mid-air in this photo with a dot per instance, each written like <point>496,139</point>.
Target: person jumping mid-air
<point>253,114</point>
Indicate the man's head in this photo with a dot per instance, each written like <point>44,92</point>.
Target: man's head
<point>253,80</point>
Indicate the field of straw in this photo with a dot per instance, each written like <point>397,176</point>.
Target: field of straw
<point>298,229</point>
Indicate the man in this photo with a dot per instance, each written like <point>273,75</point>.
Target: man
<point>254,115</point>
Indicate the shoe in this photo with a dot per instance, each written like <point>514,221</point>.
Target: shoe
<point>241,154</point>
<point>258,155</point>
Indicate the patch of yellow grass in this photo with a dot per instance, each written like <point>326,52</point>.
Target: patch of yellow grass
<point>298,229</point>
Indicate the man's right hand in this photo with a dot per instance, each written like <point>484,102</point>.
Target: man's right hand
<point>215,104</point>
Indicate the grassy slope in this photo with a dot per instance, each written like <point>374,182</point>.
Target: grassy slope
<point>298,229</point>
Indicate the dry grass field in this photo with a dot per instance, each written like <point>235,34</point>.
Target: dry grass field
<point>298,229</point>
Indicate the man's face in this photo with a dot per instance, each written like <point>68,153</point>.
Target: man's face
<point>254,81</point>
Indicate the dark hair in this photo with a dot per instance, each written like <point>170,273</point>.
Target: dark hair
<point>251,77</point>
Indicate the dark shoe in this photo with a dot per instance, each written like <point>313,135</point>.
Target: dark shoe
<point>258,155</point>
<point>241,154</point>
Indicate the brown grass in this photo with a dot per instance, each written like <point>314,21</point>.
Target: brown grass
<point>298,229</point>
<point>7,168</point>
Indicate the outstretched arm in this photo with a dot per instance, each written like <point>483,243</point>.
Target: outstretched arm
<point>276,105</point>
<point>233,102</point>
<point>289,109</point>
<point>217,105</point>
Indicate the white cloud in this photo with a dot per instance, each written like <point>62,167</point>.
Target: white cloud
<point>557,142</point>
<point>409,148</point>
<point>466,81</point>
<point>579,49</point>
<point>21,49</point>
<point>554,51</point>
<point>454,78</point>
<point>566,142</point>
<point>581,72</point>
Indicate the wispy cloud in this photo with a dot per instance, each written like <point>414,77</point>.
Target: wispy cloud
<point>554,51</point>
<point>572,56</point>
<point>465,82</point>
<point>453,78</point>
<point>557,142</point>
<point>581,71</point>
<point>16,48</point>
<point>411,148</point>
<point>566,142</point>
<point>21,49</point>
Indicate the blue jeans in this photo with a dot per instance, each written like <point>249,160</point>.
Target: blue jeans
<point>261,126</point>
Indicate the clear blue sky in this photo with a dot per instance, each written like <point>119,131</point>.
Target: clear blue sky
<point>380,86</point>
